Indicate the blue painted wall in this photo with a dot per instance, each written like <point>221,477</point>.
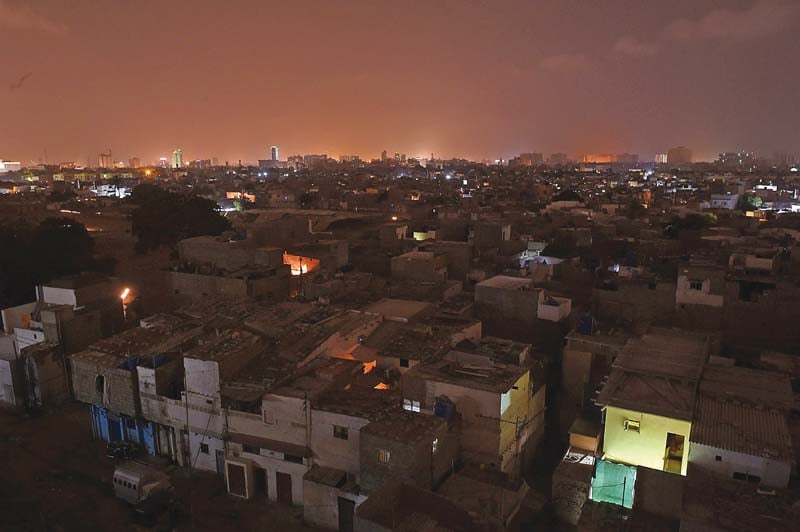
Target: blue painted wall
<point>110,427</point>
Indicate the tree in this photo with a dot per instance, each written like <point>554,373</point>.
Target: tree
<point>162,217</point>
<point>567,195</point>
<point>691,222</point>
<point>35,255</point>
<point>749,202</point>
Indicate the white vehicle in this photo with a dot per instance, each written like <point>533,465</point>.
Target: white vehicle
<point>134,482</point>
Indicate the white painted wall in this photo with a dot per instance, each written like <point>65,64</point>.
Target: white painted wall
<point>773,473</point>
<point>7,394</point>
<point>554,312</point>
<point>59,296</point>
<point>685,295</point>
<point>335,452</point>
<point>199,459</point>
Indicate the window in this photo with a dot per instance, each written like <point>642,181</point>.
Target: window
<point>411,406</point>
<point>745,476</point>
<point>268,417</point>
<point>696,285</point>
<point>131,423</point>
<point>204,448</point>
<point>505,401</point>
<point>340,432</point>
<point>252,449</point>
<point>293,458</point>
<point>435,445</point>
<point>631,425</point>
<point>718,458</point>
<point>384,456</point>
<point>403,362</point>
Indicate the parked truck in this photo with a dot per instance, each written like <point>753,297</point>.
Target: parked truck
<point>135,482</point>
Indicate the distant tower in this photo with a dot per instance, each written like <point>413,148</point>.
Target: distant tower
<point>177,158</point>
<point>274,153</point>
<point>106,160</point>
<point>384,156</point>
<point>679,155</point>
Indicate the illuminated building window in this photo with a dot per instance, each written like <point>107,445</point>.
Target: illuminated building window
<point>411,406</point>
<point>340,432</point>
<point>505,401</point>
<point>631,425</point>
<point>384,456</point>
<point>435,445</point>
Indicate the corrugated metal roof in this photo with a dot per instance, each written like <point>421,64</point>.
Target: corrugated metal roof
<point>742,428</point>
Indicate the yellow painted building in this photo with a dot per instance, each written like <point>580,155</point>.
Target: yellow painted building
<point>647,440</point>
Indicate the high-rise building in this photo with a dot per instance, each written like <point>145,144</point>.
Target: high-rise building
<point>134,162</point>
<point>527,159</point>
<point>177,158</point>
<point>106,160</point>
<point>558,158</point>
<point>679,155</point>
<point>384,155</point>
<point>274,153</point>
<point>661,158</point>
<point>737,159</point>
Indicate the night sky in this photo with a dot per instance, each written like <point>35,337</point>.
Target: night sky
<point>477,79</point>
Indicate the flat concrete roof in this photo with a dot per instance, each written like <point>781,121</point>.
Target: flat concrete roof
<point>507,282</point>
<point>398,309</point>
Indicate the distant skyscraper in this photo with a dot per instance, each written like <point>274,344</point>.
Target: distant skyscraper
<point>661,158</point>
<point>177,158</point>
<point>134,162</point>
<point>558,158</point>
<point>679,155</point>
<point>274,152</point>
<point>105,159</point>
<point>384,155</point>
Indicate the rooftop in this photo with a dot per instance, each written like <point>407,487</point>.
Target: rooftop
<point>405,427</point>
<point>713,503</point>
<point>506,282</point>
<point>657,373</point>
<point>409,508</point>
<point>398,309</point>
<point>498,378</point>
<point>742,428</point>
<point>751,386</point>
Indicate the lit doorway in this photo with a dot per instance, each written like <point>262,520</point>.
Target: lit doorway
<point>673,453</point>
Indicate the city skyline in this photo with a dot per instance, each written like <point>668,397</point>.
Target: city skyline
<point>472,80</point>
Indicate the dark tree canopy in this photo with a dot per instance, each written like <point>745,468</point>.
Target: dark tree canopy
<point>567,195</point>
<point>162,217</point>
<point>690,222</point>
<point>38,254</point>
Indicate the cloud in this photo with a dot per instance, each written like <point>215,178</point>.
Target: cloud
<point>634,47</point>
<point>20,82</point>
<point>24,18</point>
<point>764,17</point>
<point>565,62</point>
